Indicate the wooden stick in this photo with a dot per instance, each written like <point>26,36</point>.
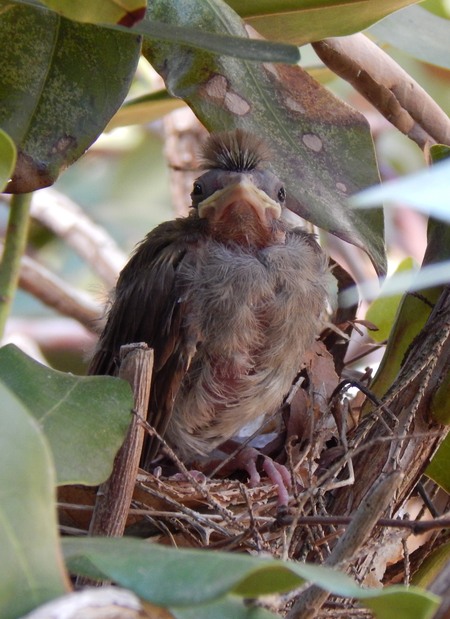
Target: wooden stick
<point>114,496</point>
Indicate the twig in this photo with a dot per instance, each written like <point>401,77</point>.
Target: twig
<point>15,243</point>
<point>114,496</point>
<point>226,513</point>
<point>357,533</point>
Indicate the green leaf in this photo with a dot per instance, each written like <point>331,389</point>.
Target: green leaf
<point>170,577</point>
<point>304,21</point>
<point>439,470</point>
<point>417,32</point>
<point>402,603</point>
<point>58,91</point>
<point>228,607</point>
<point>126,12</point>
<point>31,571</point>
<point>432,566</point>
<point>383,310</point>
<point>306,127</point>
<point>8,157</point>
<point>85,419</point>
<point>184,580</point>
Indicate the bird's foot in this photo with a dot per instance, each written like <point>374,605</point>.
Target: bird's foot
<point>277,473</point>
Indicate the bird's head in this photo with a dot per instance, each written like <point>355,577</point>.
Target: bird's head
<point>238,194</point>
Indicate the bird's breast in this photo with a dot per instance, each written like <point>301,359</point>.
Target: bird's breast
<point>257,312</point>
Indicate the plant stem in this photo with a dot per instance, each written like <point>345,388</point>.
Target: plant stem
<point>15,243</point>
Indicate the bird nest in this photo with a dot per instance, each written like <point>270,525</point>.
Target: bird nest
<point>224,512</point>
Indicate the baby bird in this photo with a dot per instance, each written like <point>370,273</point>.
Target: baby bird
<point>230,299</point>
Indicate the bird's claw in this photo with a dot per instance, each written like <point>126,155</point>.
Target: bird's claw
<point>277,473</point>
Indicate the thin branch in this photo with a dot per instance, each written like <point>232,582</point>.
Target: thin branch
<point>56,293</point>
<point>349,544</point>
<point>69,222</point>
<point>15,243</point>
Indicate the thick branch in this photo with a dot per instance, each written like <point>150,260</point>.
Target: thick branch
<point>387,86</point>
<point>408,401</point>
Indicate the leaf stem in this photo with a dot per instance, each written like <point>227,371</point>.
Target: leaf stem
<point>15,243</point>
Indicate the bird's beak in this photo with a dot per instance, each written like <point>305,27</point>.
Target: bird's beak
<point>236,196</point>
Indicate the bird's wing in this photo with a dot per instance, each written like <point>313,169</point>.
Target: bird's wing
<point>150,306</point>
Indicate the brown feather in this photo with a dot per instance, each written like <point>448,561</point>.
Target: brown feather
<point>229,322</point>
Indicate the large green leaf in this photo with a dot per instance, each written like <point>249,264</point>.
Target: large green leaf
<point>8,157</point>
<point>320,147</point>
<point>85,419</point>
<point>60,83</point>
<point>31,568</point>
<point>186,580</point>
<point>417,32</point>
<point>304,21</point>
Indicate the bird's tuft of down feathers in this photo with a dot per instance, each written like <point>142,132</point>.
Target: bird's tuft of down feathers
<point>235,151</point>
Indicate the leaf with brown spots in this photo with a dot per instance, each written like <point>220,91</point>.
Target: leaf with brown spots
<point>321,148</point>
<point>58,91</point>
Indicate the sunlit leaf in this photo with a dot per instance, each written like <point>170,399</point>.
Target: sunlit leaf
<point>306,127</point>
<point>438,469</point>
<point>85,419</point>
<point>303,21</point>
<point>8,157</point>
<point>31,568</point>
<point>383,310</point>
<point>145,109</point>
<point>58,91</point>
<point>125,12</point>
<point>417,32</point>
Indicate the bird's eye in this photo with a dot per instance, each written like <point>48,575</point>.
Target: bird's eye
<point>282,194</point>
<point>197,189</point>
